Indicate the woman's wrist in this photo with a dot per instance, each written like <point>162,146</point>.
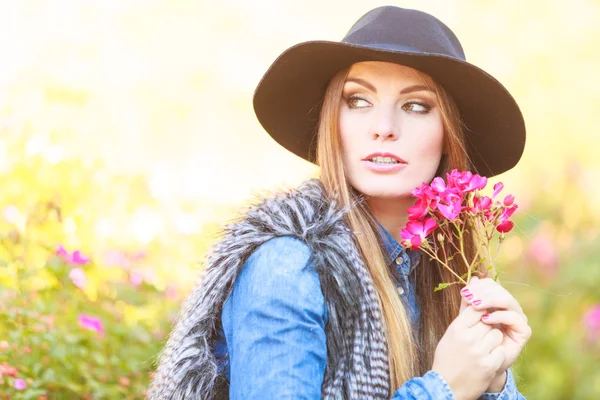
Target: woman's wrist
<point>498,383</point>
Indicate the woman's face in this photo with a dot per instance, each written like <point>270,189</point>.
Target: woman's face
<point>391,130</point>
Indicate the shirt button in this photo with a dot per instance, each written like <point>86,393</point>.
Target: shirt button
<point>400,290</point>
<point>399,260</point>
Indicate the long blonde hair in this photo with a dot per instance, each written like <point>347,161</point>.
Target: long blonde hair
<point>407,357</point>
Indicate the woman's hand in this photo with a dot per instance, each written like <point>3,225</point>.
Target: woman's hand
<point>502,310</point>
<point>469,355</point>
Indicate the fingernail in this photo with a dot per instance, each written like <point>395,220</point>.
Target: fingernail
<point>469,297</point>
<point>485,316</point>
<point>465,291</point>
<point>477,302</point>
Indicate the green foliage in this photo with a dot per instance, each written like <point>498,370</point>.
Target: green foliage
<point>42,341</point>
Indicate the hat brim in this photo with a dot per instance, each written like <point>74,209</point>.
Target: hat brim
<point>287,100</point>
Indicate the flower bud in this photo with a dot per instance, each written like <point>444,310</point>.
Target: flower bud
<point>509,200</point>
<point>440,237</point>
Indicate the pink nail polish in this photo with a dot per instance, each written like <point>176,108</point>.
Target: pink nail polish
<point>465,291</point>
<point>477,302</point>
<point>485,316</point>
<point>469,297</point>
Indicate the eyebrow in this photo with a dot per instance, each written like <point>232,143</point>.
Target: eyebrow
<point>409,89</point>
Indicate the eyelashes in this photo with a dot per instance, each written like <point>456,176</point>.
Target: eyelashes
<point>413,106</point>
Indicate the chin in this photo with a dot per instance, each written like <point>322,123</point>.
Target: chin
<point>390,186</point>
<point>383,188</point>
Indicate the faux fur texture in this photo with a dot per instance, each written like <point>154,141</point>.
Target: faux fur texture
<point>357,364</point>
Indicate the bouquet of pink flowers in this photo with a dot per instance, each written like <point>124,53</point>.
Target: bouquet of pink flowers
<point>453,210</point>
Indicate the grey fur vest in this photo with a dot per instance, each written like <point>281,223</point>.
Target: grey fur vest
<point>357,360</point>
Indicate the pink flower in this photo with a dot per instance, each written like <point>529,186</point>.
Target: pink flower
<point>542,251</point>
<point>20,384</point>
<point>427,201</point>
<point>438,185</point>
<point>509,200</point>
<point>78,277</point>
<point>424,191</point>
<point>116,258</point>
<point>135,278</point>
<point>451,206</point>
<point>497,189</point>
<point>465,181</point>
<point>76,258</point>
<point>508,212</point>
<point>505,226</point>
<point>450,212</point>
<point>171,292</point>
<point>483,203</point>
<point>477,182</point>
<point>61,252</point>
<point>591,321</point>
<point>124,260</point>
<point>91,323</point>
<point>418,211</point>
<point>415,232</point>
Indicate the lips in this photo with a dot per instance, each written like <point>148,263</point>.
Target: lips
<point>384,154</point>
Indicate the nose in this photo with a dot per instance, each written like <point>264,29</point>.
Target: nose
<point>384,127</point>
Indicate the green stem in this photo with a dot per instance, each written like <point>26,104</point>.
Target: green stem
<point>435,257</point>
<point>462,254</point>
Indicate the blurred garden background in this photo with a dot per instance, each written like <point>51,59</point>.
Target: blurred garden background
<point>127,138</point>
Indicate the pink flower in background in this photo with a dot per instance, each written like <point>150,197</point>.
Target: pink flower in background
<point>171,292</point>
<point>8,370</point>
<point>542,251</point>
<point>20,384</point>
<point>78,277</point>
<point>135,278</point>
<point>61,252</point>
<point>75,258</point>
<point>78,259</point>
<point>91,323</point>
<point>138,256</point>
<point>591,321</point>
<point>117,258</point>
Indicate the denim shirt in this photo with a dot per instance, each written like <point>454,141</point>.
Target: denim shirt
<point>273,343</point>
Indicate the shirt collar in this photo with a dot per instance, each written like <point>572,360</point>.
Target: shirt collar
<point>394,250</point>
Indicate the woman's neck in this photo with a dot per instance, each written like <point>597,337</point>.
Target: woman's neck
<point>391,214</point>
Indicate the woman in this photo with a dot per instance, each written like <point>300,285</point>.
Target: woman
<point>309,295</point>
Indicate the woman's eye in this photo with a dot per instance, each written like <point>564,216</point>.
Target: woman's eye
<point>416,107</point>
<point>357,102</point>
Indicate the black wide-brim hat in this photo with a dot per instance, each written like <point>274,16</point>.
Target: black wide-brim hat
<point>288,99</point>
